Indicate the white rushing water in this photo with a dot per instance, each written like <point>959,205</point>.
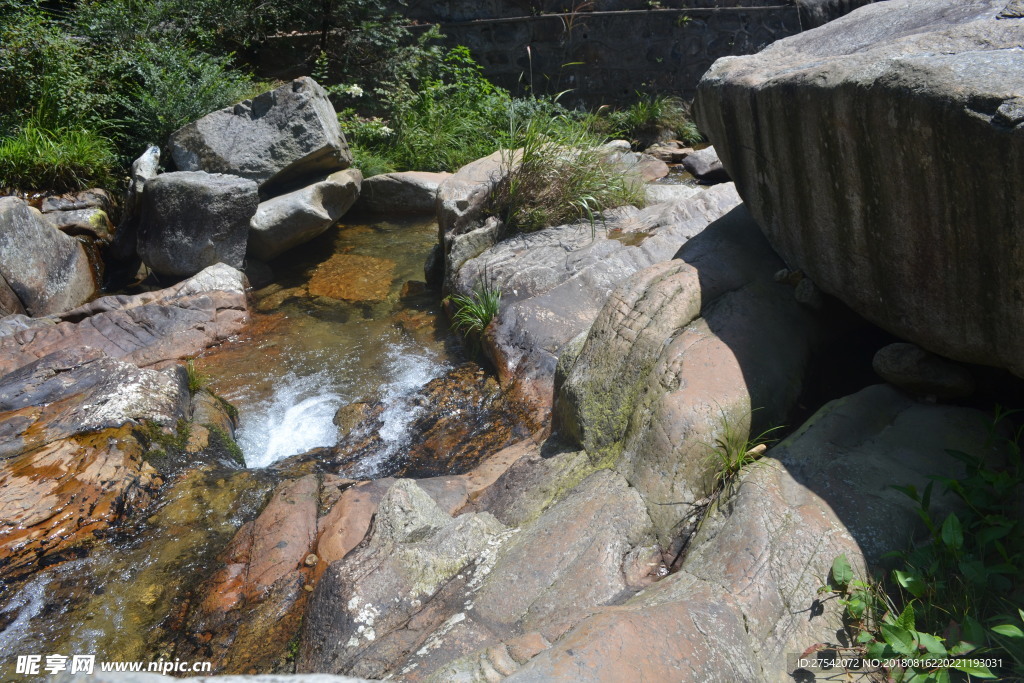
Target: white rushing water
<point>299,415</point>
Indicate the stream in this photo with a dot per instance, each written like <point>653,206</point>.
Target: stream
<point>342,322</point>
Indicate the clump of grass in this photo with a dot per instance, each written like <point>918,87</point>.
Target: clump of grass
<point>197,380</point>
<point>60,158</point>
<point>558,174</point>
<point>475,311</point>
<point>735,449</point>
<point>650,119</point>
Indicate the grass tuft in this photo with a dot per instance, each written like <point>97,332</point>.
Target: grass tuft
<point>558,174</point>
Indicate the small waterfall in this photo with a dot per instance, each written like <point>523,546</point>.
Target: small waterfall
<point>298,417</point>
<point>299,414</point>
<point>409,373</point>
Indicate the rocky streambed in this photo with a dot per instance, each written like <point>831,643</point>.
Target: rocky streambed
<point>556,510</point>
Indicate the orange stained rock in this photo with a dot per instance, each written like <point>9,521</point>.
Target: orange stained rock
<point>353,278</point>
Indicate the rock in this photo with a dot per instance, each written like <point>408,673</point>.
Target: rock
<point>211,410</point>
<point>911,368</point>
<point>78,390</point>
<point>705,166</point>
<point>58,496</point>
<point>642,166</point>
<point>143,329</point>
<point>825,491</point>
<point>251,607</point>
<point>89,222</point>
<point>906,78</point>
<point>554,281</point>
<point>411,192</point>
<point>670,151</point>
<point>96,198</point>
<point>191,220</point>
<point>814,13</point>
<point>10,304</point>
<point>124,250</point>
<point>491,611</point>
<point>352,277</point>
<point>47,270</point>
<point>461,418</point>
<point>345,526</point>
<point>462,196</point>
<point>681,353</point>
<point>656,194</point>
<point>282,136</point>
<point>291,219</point>
<point>360,613</point>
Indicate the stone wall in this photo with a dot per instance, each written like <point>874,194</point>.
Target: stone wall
<point>602,50</point>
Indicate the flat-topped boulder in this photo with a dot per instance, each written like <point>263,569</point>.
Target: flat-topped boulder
<point>882,154</point>
<point>281,136</point>
<point>408,192</point>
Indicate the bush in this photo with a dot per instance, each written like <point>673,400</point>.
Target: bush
<point>163,87</point>
<point>558,174</point>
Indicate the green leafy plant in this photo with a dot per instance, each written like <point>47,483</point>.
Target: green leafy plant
<point>735,449</point>
<point>954,595</point>
<point>197,380</point>
<point>650,118</point>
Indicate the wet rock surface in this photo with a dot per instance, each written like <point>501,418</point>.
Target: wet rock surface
<point>353,278</point>
<point>143,329</point>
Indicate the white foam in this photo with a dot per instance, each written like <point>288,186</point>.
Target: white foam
<point>299,416</point>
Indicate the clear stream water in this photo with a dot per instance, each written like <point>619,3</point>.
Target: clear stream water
<point>305,356</point>
<point>300,359</point>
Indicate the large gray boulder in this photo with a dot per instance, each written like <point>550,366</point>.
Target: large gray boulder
<point>193,219</point>
<point>291,219</point>
<point>45,270</point>
<point>278,137</point>
<point>882,155</point>
<point>746,597</point>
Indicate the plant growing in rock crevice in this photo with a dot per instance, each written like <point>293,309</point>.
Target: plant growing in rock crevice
<point>475,311</point>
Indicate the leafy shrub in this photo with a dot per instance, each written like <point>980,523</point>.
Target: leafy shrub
<point>956,594</point>
<point>439,118</point>
<point>558,174</point>
<point>164,87</point>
